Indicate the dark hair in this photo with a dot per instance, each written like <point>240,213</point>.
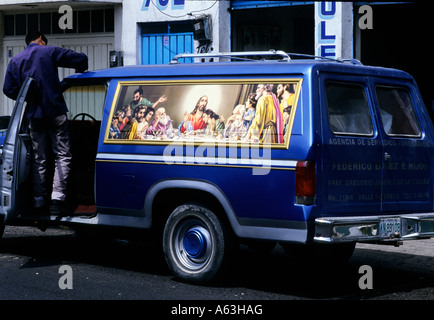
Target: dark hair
<point>209,112</point>
<point>149,109</point>
<point>125,107</point>
<point>34,35</point>
<point>138,108</point>
<point>138,91</point>
<point>252,100</point>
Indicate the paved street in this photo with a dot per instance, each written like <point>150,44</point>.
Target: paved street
<point>119,270</point>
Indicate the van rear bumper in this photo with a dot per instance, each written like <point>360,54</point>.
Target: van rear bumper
<point>374,228</point>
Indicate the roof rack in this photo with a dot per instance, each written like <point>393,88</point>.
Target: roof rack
<point>352,61</point>
<point>254,54</point>
<point>234,55</point>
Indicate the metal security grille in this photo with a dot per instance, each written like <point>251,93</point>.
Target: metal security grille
<point>161,48</point>
<point>84,21</point>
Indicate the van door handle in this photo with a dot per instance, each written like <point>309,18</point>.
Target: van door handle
<point>387,156</point>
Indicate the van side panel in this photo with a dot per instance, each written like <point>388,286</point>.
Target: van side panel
<point>259,194</point>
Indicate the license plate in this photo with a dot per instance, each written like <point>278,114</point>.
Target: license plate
<point>390,226</point>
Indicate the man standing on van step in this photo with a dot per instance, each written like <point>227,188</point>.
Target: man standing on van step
<point>47,112</point>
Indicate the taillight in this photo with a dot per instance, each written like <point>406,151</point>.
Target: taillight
<point>305,183</point>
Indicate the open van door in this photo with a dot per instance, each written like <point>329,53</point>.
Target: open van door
<point>15,182</point>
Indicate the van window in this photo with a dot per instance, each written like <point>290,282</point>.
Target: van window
<point>397,112</point>
<point>85,99</point>
<point>348,109</point>
<point>203,111</point>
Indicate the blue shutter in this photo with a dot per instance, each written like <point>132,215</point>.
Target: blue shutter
<point>161,48</point>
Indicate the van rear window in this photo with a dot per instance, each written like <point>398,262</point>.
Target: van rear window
<point>203,111</point>
<point>397,112</point>
<point>85,99</point>
<point>348,109</point>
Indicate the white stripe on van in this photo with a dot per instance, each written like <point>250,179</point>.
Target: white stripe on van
<point>224,161</point>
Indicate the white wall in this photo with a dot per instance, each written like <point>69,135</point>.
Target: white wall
<point>135,13</point>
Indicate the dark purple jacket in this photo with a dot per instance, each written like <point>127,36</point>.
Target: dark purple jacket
<point>41,63</point>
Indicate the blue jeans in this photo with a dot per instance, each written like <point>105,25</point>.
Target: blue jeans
<point>50,134</point>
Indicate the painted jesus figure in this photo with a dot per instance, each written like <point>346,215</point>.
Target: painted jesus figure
<point>194,120</point>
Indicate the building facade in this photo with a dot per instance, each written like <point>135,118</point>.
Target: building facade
<point>117,32</point>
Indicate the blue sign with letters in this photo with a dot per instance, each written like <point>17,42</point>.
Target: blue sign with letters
<point>163,4</point>
<point>326,40</point>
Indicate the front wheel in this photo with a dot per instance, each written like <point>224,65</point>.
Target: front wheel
<point>195,243</point>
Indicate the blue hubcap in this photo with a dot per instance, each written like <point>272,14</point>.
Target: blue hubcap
<point>195,242</point>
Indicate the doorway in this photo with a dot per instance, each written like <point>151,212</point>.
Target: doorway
<point>400,39</point>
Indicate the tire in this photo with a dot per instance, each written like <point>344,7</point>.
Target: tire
<point>196,244</point>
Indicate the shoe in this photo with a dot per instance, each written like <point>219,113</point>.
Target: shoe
<point>58,207</point>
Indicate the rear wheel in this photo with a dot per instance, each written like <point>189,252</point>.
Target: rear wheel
<point>195,243</point>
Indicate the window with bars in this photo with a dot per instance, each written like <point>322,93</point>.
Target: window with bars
<point>84,21</point>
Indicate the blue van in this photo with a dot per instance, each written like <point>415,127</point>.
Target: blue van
<point>317,154</point>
